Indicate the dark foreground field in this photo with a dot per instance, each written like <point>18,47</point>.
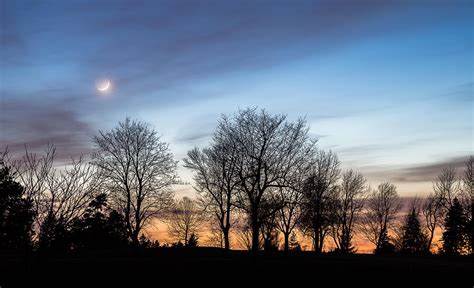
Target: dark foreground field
<point>216,268</point>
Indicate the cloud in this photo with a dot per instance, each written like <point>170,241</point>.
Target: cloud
<point>193,136</point>
<point>38,123</point>
<point>419,173</point>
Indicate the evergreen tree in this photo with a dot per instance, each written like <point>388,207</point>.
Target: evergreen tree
<point>455,240</point>
<point>385,246</point>
<point>97,229</point>
<point>413,239</point>
<point>192,241</point>
<point>16,213</point>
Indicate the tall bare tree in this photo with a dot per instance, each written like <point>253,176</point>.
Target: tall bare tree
<point>380,212</point>
<point>216,183</point>
<point>318,191</point>
<point>183,220</point>
<point>138,170</point>
<point>348,204</point>
<point>269,151</point>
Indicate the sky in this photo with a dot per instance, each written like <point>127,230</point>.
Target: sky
<point>387,85</point>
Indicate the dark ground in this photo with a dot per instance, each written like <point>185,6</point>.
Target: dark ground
<point>209,267</point>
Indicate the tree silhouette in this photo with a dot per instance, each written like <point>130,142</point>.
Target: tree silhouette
<point>59,196</point>
<point>16,214</point>
<point>433,211</point>
<point>320,185</point>
<point>183,220</point>
<point>454,235</point>
<point>269,151</point>
<point>413,239</point>
<point>380,212</point>
<point>384,246</point>
<point>294,245</point>
<point>192,241</point>
<point>54,235</point>
<point>289,216</point>
<point>348,204</point>
<point>216,183</point>
<point>137,169</point>
<point>98,229</point>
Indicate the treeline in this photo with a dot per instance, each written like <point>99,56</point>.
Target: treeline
<point>261,179</point>
<point>264,177</point>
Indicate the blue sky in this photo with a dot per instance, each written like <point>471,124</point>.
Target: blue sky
<point>388,85</point>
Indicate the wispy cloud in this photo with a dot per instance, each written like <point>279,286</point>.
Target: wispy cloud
<point>418,173</point>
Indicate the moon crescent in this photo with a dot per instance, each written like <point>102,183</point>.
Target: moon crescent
<point>104,87</point>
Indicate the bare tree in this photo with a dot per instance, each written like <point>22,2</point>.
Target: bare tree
<point>59,195</point>
<point>70,191</point>
<point>33,172</point>
<point>269,151</point>
<point>468,178</point>
<point>216,183</point>
<point>433,213</point>
<point>318,191</point>
<point>138,170</point>
<point>348,204</point>
<point>446,187</point>
<point>183,220</point>
<point>380,212</point>
<point>287,218</point>
<point>436,205</point>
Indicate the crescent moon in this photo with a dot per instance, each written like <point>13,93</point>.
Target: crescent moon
<point>105,87</point>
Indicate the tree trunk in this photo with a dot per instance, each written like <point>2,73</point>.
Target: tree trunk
<point>225,232</point>
<point>255,232</point>
<point>317,249</point>
<point>287,244</point>
<point>135,242</point>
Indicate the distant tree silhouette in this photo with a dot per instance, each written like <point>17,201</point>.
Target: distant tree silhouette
<point>137,168</point>
<point>379,213</point>
<point>269,152</point>
<point>16,213</point>
<point>183,220</point>
<point>413,239</point>
<point>317,202</point>
<point>216,183</point>
<point>455,240</point>
<point>348,204</point>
